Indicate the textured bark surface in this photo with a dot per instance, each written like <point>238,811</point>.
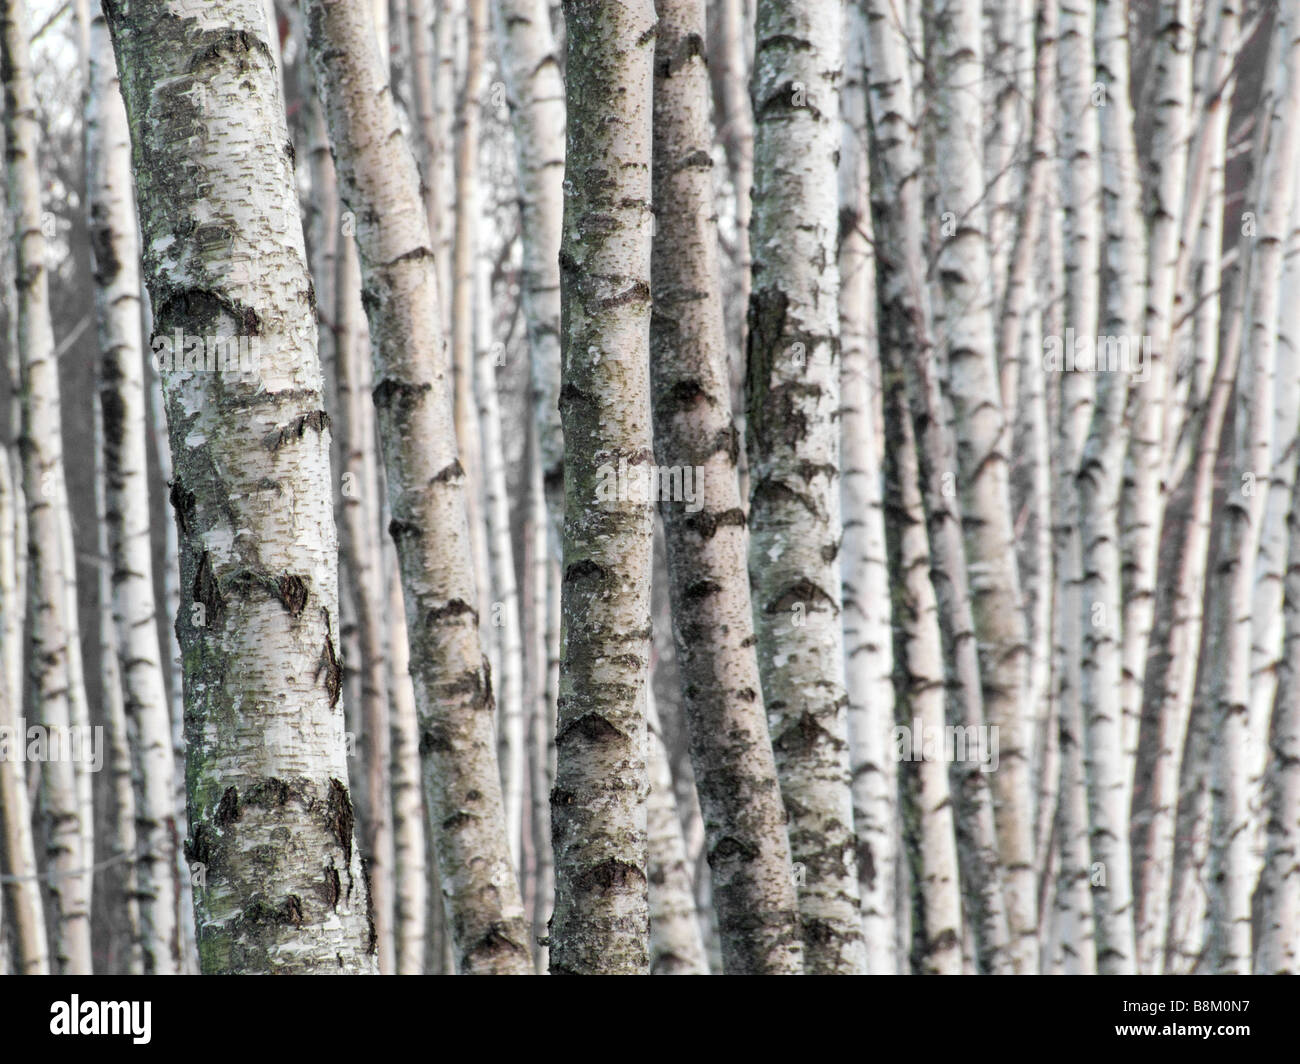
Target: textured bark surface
<point>271,819</point>
<point>531,67</point>
<point>56,673</point>
<point>115,243</point>
<point>908,353</point>
<point>426,490</point>
<point>868,641</point>
<point>792,396</point>
<point>22,892</point>
<point>713,628</point>
<point>964,324</point>
<point>598,812</point>
<point>676,947</point>
<point>1231,861</point>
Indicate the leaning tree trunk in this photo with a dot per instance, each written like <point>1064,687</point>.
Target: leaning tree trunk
<point>1231,861</point>
<point>713,629</point>
<point>50,566</point>
<point>1278,949</point>
<point>271,816</point>
<point>598,813</point>
<point>426,490</point>
<point>115,243</point>
<point>963,315</point>
<point>792,399</point>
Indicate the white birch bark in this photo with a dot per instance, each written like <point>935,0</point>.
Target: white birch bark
<point>965,338</point>
<point>115,244</point>
<point>906,348</point>
<point>1231,861</point>
<point>868,640</point>
<point>792,399</point>
<point>1144,491</point>
<point>1278,946</point>
<point>265,746</point>
<point>426,486</point>
<point>22,892</point>
<point>409,838</point>
<point>712,621</point>
<point>359,524</point>
<point>676,947</point>
<point>598,824</point>
<point>54,628</point>
<point>501,562</point>
<point>535,92</point>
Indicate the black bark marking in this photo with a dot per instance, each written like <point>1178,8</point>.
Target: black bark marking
<point>207,590</point>
<point>293,593</point>
<point>341,818</point>
<point>329,664</point>
<point>183,503</point>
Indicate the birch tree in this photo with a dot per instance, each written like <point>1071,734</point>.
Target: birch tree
<point>598,815</point>
<point>426,490</point>
<point>55,672</point>
<point>1231,884</point>
<point>115,242</point>
<point>792,396</point>
<point>713,628</point>
<point>271,815</point>
<point>964,330</point>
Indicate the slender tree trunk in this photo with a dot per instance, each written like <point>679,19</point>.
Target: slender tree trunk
<point>906,348</point>
<point>713,627</point>
<point>964,326</point>
<point>501,560</point>
<point>676,947</point>
<point>22,891</point>
<point>1231,860</point>
<point>409,841</point>
<point>1278,947</point>
<point>54,628</point>
<point>426,485</point>
<point>792,398</point>
<point>115,242</point>
<point>868,646</point>
<point>598,813</point>
<point>536,93</point>
<point>358,530</point>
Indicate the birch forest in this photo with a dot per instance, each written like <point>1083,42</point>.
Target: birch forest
<point>650,487</point>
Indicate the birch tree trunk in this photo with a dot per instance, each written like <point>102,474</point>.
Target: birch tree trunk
<point>792,398</point>
<point>907,350</point>
<point>426,485</point>
<point>1278,947</point>
<point>1099,483</point>
<point>676,947</point>
<point>1144,487</point>
<point>869,659</point>
<point>713,627</point>
<point>1171,677</point>
<point>501,560</point>
<point>358,530</point>
<point>964,326</point>
<point>271,815</point>
<point>536,94</point>
<point>22,891</point>
<point>115,243</point>
<point>598,813</point>
<point>1231,860</point>
<point>54,627</point>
